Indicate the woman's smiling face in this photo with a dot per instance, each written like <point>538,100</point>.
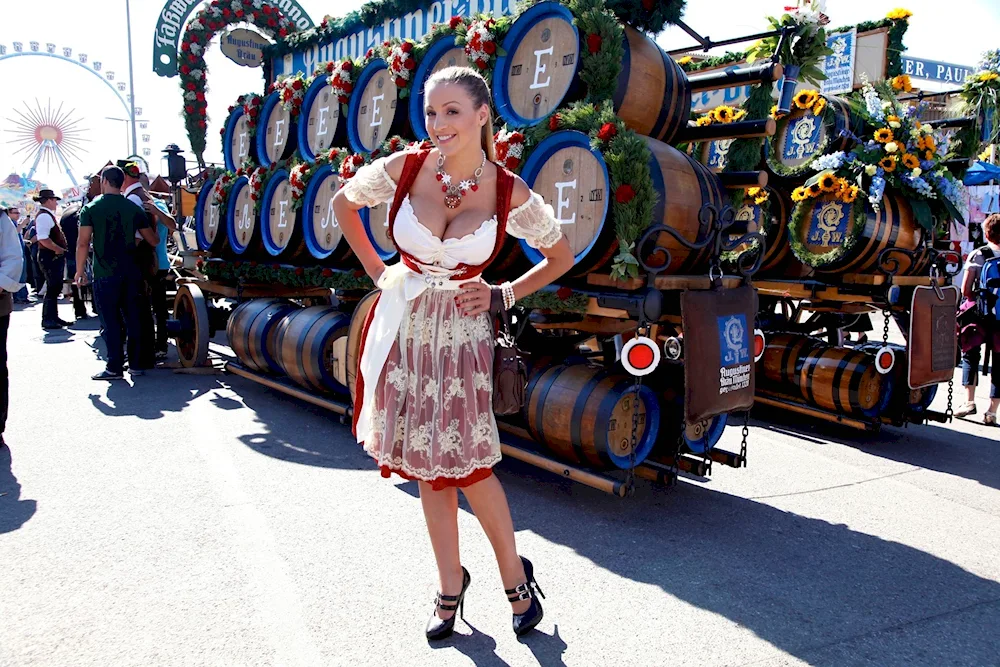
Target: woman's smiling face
<point>452,121</point>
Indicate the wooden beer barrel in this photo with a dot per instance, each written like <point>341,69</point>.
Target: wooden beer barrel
<point>442,52</point>
<point>308,343</point>
<point>320,125</point>
<point>280,225</point>
<point>242,230</point>
<point>208,228</point>
<point>238,144</point>
<point>703,436</point>
<point>539,73</point>
<point>904,400</point>
<point>583,414</point>
<point>801,136</point>
<point>574,180</point>
<point>375,111</point>
<point>834,237</point>
<point>836,379</point>
<point>252,331</point>
<point>277,136</point>
<point>682,186</point>
<point>352,355</point>
<point>376,222</point>
<point>778,260</point>
<point>323,237</point>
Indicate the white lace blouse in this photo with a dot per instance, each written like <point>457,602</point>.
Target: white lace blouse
<point>532,221</point>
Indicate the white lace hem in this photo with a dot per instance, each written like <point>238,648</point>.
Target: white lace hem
<point>425,475</point>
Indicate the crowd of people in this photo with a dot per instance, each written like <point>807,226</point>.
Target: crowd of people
<point>108,249</point>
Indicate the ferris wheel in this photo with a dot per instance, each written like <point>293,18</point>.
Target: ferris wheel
<point>46,135</point>
<point>48,132</point>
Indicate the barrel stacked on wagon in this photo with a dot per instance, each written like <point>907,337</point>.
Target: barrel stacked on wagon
<point>580,411</point>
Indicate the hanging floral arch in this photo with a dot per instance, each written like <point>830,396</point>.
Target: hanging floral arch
<point>214,17</point>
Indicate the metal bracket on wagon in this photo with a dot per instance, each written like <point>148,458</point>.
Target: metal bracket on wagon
<point>717,221</point>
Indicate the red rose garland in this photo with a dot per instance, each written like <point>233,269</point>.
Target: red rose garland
<point>291,91</point>
<point>342,80</point>
<point>509,147</point>
<point>211,19</point>
<point>481,44</point>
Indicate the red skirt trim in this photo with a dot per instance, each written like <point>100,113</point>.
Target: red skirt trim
<point>441,483</point>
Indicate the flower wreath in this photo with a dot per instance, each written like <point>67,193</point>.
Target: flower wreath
<point>291,92</point>
<point>211,19</point>
<point>627,157</point>
<point>755,196</point>
<point>801,216</point>
<point>300,174</point>
<point>258,178</point>
<point>811,102</point>
<point>509,147</point>
<point>395,144</point>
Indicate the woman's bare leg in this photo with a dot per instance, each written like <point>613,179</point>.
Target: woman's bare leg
<point>490,505</point>
<point>441,515</point>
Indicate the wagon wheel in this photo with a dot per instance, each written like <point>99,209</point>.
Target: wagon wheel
<point>191,311</point>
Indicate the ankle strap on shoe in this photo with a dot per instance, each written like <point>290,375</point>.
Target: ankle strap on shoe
<point>520,592</point>
<point>440,599</point>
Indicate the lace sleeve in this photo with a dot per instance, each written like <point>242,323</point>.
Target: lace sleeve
<point>534,222</point>
<point>371,185</point>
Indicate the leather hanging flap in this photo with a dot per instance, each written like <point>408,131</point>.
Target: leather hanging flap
<point>718,352</point>
<point>933,340</point>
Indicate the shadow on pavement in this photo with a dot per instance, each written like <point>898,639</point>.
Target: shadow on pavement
<point>801,584</point>
<point>150,396</point>
<point>14,512</point>
<point>315,438</point>
<point>928,446</point>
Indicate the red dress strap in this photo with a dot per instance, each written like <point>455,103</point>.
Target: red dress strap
<point>505,188</point>
<point>411,167</point>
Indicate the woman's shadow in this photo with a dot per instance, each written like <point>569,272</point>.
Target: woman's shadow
<point>14,512</point>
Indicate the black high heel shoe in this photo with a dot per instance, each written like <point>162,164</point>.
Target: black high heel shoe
<point>524,623</point>
<point>439,628</point>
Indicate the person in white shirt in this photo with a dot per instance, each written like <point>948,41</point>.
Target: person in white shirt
<point>11,265</point>
<point>51,257</point>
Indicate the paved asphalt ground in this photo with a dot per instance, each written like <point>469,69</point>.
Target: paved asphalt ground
<point>186,519</point>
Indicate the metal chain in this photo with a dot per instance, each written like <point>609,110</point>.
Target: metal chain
<point>949,412</point>
<point>885,327</point>
<point>743,444</point>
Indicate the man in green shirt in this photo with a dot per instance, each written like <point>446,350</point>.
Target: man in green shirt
<point>112,222</point>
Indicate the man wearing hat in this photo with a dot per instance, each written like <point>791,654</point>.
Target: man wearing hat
<point>145,256</point>
<point>51,257</point>
<point>11,267</point>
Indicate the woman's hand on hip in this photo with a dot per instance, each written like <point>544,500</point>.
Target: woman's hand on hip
<point>473,298</point>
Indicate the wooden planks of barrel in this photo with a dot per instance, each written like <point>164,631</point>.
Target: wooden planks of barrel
<point>242,231</point>
<point>836,379</point>
<point>252,332</point>
<point>277,136</point>
<point>281,226</point>
<point>320,125</point>
<point>238,143</point>
<point>573,178</point>
<point>322,234</point>
<point>375,111</point>
<point>834,236</point>
<point>539,72</point>
<point>308,343</point>
<point>209,227</point>
<point>772,218</point>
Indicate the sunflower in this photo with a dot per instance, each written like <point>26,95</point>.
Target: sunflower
<point>684,61</point>
<point>799,194</point>
<point>827,182</point>
<point>987,76</point>
<point>850,194</point>
<point>890,119</point>
<point>910,161</point>
<point>902,82</point>
<point>888,163</point>
<point>842,186</point>
<point>928,155</point>
<point>819,106</point>
<point>929,143</point>
<point>740,114</point>
<point>804,99</point>
<point>814,189</point>
<point>703,121</point>
<point>883,135</point>
<point>899,14</point>
<point>723,114</point>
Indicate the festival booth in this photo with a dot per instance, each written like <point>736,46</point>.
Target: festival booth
<point>719,256</point>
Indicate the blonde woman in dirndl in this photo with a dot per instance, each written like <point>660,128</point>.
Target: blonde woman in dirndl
<point>425,383</point>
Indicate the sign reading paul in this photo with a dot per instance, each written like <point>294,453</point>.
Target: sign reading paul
<point>170,26</point>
